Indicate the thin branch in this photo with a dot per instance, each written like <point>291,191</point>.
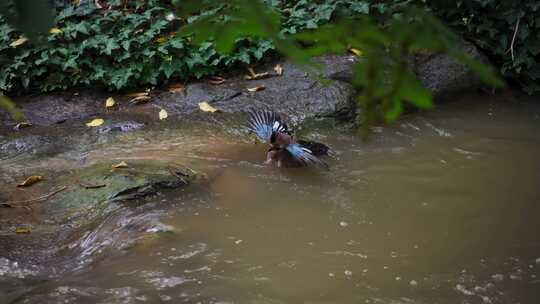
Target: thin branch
<point>514,39</point>
<point>37,199</point>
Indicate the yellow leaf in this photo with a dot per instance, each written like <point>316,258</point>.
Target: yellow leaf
<point>95,123</point>
<point>137,94</point>
<point>257,88</point>
<point>163,114</point>
<point>121,164</point>
<point>206,107</point>
<point>18,42</point>
<point>22,230</point>
<point>55,30</point>
<point>22,125</point>
<point>161,40</point>
<point>279,69</point>
<point>254,76</point>
<point>251,72</point>
<point>357,52</point>
<point>109,103</point>
<point>29,181</point>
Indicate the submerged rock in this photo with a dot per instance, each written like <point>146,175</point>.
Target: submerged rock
<point>82,198</point>
<point>90,190</point>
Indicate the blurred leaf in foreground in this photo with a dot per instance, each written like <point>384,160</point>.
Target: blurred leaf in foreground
<point>9,106</point>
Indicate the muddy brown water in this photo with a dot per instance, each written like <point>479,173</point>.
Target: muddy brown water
<point>442,207</point>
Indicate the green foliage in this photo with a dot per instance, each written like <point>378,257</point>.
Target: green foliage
<point>142,43</point>
<point>383,73</point>
<point>491,25</point>
<point>116,48</point>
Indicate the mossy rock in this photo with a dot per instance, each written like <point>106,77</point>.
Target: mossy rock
<point>91,191</point>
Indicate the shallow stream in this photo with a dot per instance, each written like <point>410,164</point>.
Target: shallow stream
<point>441,207</point>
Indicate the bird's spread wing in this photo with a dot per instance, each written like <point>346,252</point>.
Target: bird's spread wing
<point>305,156</point>
<point>264,123</point>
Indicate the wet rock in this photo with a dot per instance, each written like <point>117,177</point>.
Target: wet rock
<point>446,77</point>
<point>24,144</point>
<point>124,126</point>
<point>94,188</point>
<point>48,109</point>
<point>295,93</point>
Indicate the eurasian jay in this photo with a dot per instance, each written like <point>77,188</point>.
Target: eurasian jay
<point>284,150</point>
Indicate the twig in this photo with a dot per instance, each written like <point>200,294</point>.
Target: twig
<point>511,49</point>
<point>44,197</point>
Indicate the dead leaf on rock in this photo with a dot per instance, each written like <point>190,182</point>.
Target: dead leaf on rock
<point>253,76</point>
<point>22,125</point>
<point>137,94</point>
<point>176,87</point>
<point>163,114</point>
<point>95,122</point>
<point>29,181</point>
<point>120,165</point>
<point>55,30</point>
<point>216,80</point>
<point>257,88</point>
<point>110,103</point>
<point>279,69</point>
<point>206,107</point>
<point>356,52</point>
<point>22,230</point>
<point>18,42</point>
<point>140,99</point>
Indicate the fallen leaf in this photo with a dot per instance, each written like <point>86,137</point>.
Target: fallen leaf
<point>29,181</point>
<point>206,107</point>
<point>22,230</point>
<point>356,52</point>
<point>109,103</point>
<point>55,30</point>
<point>176,87</point>
<point>257,76</point>
<point>95,123</point>
<point>137,94</point>
<point>140,99</point>
<point>163,114</point>
<point>121,164</point>
<point>256,89</point>
<point>18,42</point>
<point>251,72</point>
<point>279,69</point>
<point>252,75</point>
<point>22,125</point>
<point>216,80</point>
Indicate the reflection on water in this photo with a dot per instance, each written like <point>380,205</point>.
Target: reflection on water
<point>440,208</point>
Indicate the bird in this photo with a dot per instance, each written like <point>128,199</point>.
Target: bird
<point>284,150</point>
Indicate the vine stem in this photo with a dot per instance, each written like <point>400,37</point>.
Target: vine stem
<point>511,49</point>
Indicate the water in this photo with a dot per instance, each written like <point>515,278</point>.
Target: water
<point>441,207</point>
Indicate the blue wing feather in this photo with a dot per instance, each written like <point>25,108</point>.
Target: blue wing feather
<point>305,156</point>
<point>264,123</point>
